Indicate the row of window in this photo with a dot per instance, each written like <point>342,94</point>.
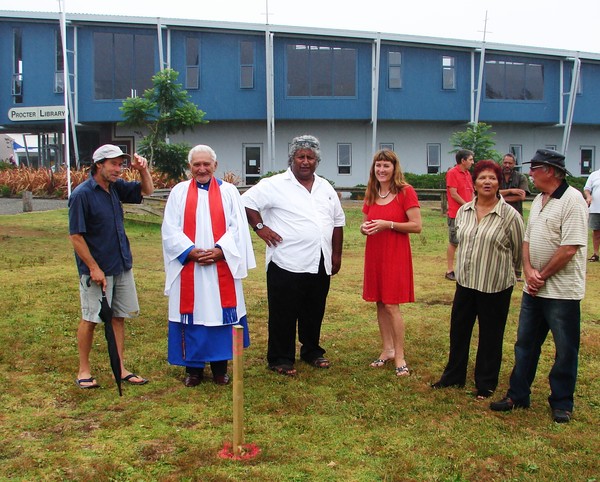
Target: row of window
<point>124,66</point>
<point>434,157</point>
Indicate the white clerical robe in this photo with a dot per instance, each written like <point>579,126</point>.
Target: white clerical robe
<point>235,243</point>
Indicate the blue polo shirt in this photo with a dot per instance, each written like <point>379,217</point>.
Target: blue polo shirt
<point>98,216</point>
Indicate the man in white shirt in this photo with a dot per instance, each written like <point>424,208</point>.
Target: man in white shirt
<point>592,197</point>
<point>300,218</point>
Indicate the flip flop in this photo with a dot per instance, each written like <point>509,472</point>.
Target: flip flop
<point>79,382</point>
<point>129,380</point>
<point>320,362</point>
<point>287,370</point>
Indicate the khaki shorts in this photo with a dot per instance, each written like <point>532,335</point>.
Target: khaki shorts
<point>120,293</point>
<point>452,238</point>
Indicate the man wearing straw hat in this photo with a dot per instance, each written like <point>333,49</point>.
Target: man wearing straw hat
<point>102,251</point>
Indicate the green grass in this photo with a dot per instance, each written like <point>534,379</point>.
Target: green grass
<point>349,423</point>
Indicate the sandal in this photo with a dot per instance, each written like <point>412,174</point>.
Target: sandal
<point>287,370</point>
<point>379,362</point>
<point>320,362</point>
<point>402,371</point>
<point>594,258</point>
<point>483,394</point>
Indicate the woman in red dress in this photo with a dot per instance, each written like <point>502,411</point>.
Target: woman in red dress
<point>391,211</point>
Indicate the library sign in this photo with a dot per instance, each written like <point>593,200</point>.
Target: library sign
<point>40,113</point>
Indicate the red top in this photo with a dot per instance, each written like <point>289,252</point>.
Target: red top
<point>388,273</point>
<point>463,182</point>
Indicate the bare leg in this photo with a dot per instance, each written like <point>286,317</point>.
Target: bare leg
<point>85,337</point>
<point>387,340</point>
<point>596,241</point>
<point>450,257</point>
<point>390,316</point>
<point>119,329</point>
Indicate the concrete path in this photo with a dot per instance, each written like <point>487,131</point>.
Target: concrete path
<point>15,205</point>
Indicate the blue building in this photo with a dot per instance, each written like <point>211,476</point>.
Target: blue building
<point>261,85</point>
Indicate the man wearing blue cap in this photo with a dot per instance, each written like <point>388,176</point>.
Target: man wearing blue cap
<point>554,263</point>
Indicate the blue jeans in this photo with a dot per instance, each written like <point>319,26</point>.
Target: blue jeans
<point>537,317</point>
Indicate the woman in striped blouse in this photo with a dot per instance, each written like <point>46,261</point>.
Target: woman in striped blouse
<point>490,234</point>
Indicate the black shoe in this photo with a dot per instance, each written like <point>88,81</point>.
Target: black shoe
<point>561,416</point>
<point>192,380</point>
<point>440,384</point>
<point>450,276</point>
<point>506,405</point>
<point>221,379</point>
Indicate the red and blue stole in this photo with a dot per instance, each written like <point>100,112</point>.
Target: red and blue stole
<point>225,279</point>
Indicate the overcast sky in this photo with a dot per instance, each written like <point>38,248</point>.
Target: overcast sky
<point>570,25</point>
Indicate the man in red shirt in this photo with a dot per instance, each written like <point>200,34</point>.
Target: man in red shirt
<point>459,190</point>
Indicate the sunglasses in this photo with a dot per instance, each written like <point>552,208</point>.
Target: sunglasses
<point>533,168</point>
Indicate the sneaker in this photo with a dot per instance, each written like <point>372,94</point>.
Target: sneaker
<point>450,276</point>
<point>506,405</point>
<point>561,416</point>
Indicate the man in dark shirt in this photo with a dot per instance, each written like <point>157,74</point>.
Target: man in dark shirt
<point>514,186</point>
<point>102,251</point>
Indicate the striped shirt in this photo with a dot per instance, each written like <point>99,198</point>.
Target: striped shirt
<point>561,222</point>
<point>489,250</point>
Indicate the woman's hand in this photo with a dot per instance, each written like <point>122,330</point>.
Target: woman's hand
<point>374,226</point>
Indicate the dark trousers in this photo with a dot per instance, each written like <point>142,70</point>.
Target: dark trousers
<point>217,368</point>
<point>491,309</point>
<point>539,316</point>
<point>295,297</point>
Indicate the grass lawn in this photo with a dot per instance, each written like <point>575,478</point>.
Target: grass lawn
<point>349,423</point>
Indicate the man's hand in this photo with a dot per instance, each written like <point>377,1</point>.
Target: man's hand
<point>205,257</point>
<point>138,162</point>
<point>269,236</point>
<point>97,276</point>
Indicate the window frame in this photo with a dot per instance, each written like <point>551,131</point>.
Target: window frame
<point>59,70</point>
<point>347,166</point>
<point>517,151</point>
<point>17,66</point>
<point>191,67</point>
<point>501,84</point>
<point>394,66</point>
<point>247,69</point>
<point>389,146</point>
<point>325,70</point>
<point>586,171</point>
<point>433,168</point>
<point>449,68</point>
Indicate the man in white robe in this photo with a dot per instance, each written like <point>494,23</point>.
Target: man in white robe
<point>202,331</point>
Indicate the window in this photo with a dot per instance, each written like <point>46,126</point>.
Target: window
<point>448,73</point>
<point>552,147</point>
<point>123,65</point>
<point>517,151</point>
<point>386,147</point>
<point>59,66</point>
<point>513,80</point>
<point>344,158</point>
<point>587,160</point>
<point>192,63</point>
<point>395,70</point>
<point>434,158</point>
<point>17,82</point>
<point>247,65</point>
<point>320,71</point>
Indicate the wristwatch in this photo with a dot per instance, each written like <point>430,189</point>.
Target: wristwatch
<point>258,226</point>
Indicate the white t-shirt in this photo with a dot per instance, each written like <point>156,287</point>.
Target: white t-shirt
<point>593,186</point>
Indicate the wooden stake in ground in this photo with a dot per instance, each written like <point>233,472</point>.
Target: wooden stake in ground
<point>238,390</point>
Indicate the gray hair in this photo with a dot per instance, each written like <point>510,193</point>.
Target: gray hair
<point>202,148</point>
<point>304,142</point>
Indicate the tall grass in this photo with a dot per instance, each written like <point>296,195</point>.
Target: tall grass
<point>349,423</point>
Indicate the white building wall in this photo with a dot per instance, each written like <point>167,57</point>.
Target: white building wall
<point>410,141</point>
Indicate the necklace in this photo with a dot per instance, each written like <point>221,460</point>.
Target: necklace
<point>385,195</point>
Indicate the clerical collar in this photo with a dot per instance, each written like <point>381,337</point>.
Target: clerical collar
<point>203,186</point>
